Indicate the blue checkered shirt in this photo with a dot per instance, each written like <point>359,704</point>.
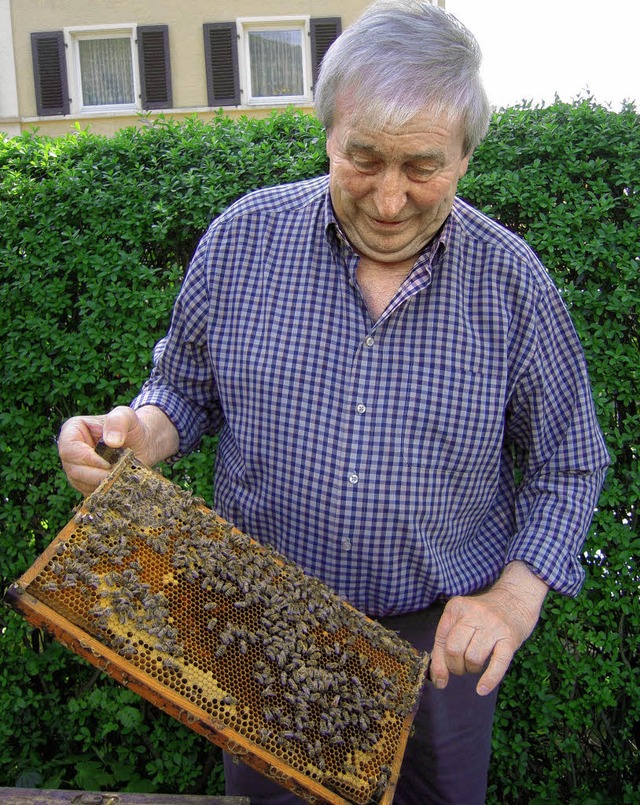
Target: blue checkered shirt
<point>380,455</point>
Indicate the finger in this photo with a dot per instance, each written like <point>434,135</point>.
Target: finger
<point>119,426</point>
<point>85,479</point>
<point>459,640</point>
<point>83,430</point>
<point>77,440</point>
<point>500,660</point>
<point>84,468</point>
<point>474,661</point>
<point>479,650</point>
<point>438,669</point>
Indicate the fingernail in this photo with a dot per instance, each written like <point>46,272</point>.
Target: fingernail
<point>439,683</point>
<point>482,690</point>
<point>113,438</point>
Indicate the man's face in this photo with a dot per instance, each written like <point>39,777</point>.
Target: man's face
<point>392,189</point>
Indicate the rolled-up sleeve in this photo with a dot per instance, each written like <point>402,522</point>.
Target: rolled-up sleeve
<point>560,451</point>
<point>182,382</point>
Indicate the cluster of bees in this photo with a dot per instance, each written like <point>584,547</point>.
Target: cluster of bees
<point>297,670</point>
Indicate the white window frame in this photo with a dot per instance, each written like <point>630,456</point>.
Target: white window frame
<point>72,36</point>
<point>247,24</point>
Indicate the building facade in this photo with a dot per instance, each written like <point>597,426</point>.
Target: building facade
<point>114,63</point>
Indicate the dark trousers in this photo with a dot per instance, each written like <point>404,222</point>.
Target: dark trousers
<point>447,757</point>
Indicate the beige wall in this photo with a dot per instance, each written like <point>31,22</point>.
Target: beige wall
<point>185,21</point>
<point>8,86</point>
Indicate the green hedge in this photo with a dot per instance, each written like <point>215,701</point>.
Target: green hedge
<point>95,234</point>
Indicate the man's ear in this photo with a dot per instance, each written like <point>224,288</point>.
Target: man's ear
<point>464,165</point>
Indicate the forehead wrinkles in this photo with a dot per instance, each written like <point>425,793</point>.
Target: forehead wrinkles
<point>432,154</point>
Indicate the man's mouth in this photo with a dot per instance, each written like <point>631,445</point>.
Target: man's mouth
<point>387,224</point>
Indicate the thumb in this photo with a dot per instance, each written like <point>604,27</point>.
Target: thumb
<point>122,428</point>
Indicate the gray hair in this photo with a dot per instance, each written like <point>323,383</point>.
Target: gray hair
<point>403,57</point>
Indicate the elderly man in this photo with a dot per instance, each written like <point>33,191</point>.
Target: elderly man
<point>401,400</point>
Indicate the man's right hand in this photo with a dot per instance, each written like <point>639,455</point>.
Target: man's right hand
<point>148,432</point>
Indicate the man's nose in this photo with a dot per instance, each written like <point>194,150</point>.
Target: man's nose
<point>390,194</point>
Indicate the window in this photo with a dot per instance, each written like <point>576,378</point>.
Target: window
<point>275,63</point>
<point>265,61</point>
<point>109,69</point>
<point>103,70</point>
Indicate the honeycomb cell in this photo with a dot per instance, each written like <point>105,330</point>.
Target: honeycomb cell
<point>278,664</point>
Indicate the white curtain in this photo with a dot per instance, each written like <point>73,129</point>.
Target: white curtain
<point>106,71</point>
<point>276,63</point>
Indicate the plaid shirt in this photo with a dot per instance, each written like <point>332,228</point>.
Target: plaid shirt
<point>380,455</point>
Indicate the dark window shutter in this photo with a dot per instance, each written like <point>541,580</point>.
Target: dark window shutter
<point>155,66</point>
<point>221,62</point>
<point>324,30</point>
<point>50,73</point>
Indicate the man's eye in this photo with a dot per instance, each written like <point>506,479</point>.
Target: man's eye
<point>419,174</point>
<point>364,165</point>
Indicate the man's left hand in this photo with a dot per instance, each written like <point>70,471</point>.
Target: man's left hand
<point>489,626</point>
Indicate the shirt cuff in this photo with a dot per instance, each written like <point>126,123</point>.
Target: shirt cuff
<point>562,573</point>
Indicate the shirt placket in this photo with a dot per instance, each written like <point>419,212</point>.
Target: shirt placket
<point>360,428</point>
<point>361,411</point>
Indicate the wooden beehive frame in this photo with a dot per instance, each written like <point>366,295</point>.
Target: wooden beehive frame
<point>228,637</point>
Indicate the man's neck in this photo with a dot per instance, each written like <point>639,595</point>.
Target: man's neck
<point>379,282</point>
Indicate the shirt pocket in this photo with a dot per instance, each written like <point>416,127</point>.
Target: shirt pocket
<point>453,419</point>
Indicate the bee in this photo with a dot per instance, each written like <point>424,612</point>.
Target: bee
<point>90,579</point>
<point>159,544</point>
<point>125,614</point>
<point>171,647</point>
<point>226,638</point>
<point>101,612</point>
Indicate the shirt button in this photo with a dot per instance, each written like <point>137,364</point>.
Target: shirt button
<point>346,544</point>
<point>361,408</point>
<point>369,340</point>
<point>353,478</point>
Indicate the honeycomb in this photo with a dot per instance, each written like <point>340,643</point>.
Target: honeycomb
<point>266,661</point>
